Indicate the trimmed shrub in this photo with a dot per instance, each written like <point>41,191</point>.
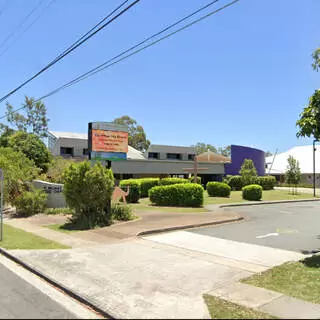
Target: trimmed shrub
<point>87,190</point>
<point>52,211</point>
<point>235,182</point>
<point>218,189</point>
<point>169,181</point>
<point>31,202</point>
<point>252,192</point>
<point>121,212</point>
<point>146,184</point>
<point>134,189</point>
<point>181,195</point>
<point>267,182</point>
<point>191,179</point>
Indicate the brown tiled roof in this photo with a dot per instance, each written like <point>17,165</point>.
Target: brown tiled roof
<point>210,156</point>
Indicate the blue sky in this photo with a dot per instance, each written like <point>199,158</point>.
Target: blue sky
<point>241,76</point>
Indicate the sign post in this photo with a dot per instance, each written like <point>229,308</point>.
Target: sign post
<point>107,142</point>
<point>1,203</point>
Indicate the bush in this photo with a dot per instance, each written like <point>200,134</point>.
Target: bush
<point>134,189</point>
<point>121,212</point>
<point>31,202</point>
<point>87,190</point>
<point>146,184</point>
<point>191,179</point>
<point>56,169</point>
<point>17,169</point>
<point>169,181</point>
<point>248,172</point>
<point>267,182</point>
<point>235,182</point>
<point>218,189</point>
<point>51,211</point>
<point>182,195</point>
<point>252,192</point>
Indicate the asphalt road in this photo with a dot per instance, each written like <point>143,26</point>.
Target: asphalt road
<point>289,226</point>
<point>20,300</point>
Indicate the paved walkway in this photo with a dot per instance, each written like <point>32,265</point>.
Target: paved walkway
<point>148,221</point>
<point>301,190</point>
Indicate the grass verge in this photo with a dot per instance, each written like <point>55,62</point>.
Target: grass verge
<point>61,228</point>
<point>223,309</point>
<point>14,238</point>
<point>300,280</point>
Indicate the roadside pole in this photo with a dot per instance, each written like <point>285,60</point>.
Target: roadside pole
<point>1,204</point>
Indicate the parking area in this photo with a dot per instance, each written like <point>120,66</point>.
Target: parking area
<point>289,226</point>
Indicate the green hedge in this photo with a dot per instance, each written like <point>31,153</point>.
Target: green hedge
<point>31,202</point>
<point>252,192</point>
<point>134,191</point>
<point>218,189</point>
<point>182,195</point>
<point>191,179</point>
<point>235,182</point>
<point>169,181</point>
<point>146,184</point>
<point>267,182</point>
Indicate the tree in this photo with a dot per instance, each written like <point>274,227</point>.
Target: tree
<point>268,154</point>
<point>33,120</point>
<point>293,173</point>
<point>137,136</point>
<point>5,133</point>
<point>226,151</point>
<point>309,122</point>
<point>248,172</point>
<point>316,59</point>
<point>203,147</point>
<point>32,146</point>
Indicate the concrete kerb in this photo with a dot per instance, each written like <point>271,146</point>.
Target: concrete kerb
<point>58,285</point>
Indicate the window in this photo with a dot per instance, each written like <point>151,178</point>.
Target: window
<point>85,152</point>
<point>190,156</point>
<point>65,151</point>
<point>174,156</point>
<point>153,155</point>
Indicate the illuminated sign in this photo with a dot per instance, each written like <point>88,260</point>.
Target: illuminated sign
<point>107,141</point>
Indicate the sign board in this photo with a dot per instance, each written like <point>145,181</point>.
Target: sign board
<point>107,141</point>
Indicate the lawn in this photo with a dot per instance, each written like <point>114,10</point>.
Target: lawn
<point>297,279</point>
<point>60,228</point>
<point>222,309</point>
<point>14,238</point>
<point>235,197</point>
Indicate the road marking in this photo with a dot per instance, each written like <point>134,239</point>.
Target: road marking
<point>267,235</point>
<point>285,212</point>
<point>287,230</point>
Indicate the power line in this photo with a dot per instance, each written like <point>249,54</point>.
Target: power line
<point>73,47</point>
<point>107,64</point>
<point>21,23</point>
<point>28,27</point>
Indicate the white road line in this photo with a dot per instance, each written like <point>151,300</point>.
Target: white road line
<point>285,212</point>
<point>267,235</point>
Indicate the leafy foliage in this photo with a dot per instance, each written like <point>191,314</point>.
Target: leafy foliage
<point>235,182</point>
<point>52,211</point>
<point>33,120</point>
<point>226,151</point>
<point>248,172</point>
<point>5,133</point>
<point>316,59</point>
<point>146,184</point>
<point>30,202</point>
<point>134,189</point>
<point>309,122</point>
<point>293,173</point>
<point>137,136</point>
<point>267,182</point>
<point>252,192</point>
<point>17,169</point>
<point>182,195</point>
<point>218,189</point>
<point>32,147</point>
<point>204,147</point>
<point>87,190</point>
<point>191,179</point>
<point>169,181</point>
<point>57,167</point>
<point>121,212</point>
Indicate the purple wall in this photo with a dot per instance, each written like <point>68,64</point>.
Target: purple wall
<point>239,153</point>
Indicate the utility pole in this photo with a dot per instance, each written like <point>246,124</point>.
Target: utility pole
<point>314,166</point>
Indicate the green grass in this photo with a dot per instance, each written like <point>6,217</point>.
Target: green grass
<point>14,238</point>
<point>223,309</point>
<point>61,228</point>
<point>51,211</point>
<point>297,279</point>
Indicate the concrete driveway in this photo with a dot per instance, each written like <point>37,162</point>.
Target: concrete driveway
<point>289,226</point>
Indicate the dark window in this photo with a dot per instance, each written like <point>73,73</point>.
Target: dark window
<point>174,156</point>
<point>153,155</point>
<point>190,156</point>
<point>85,152</point>
<point>64,151</point>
